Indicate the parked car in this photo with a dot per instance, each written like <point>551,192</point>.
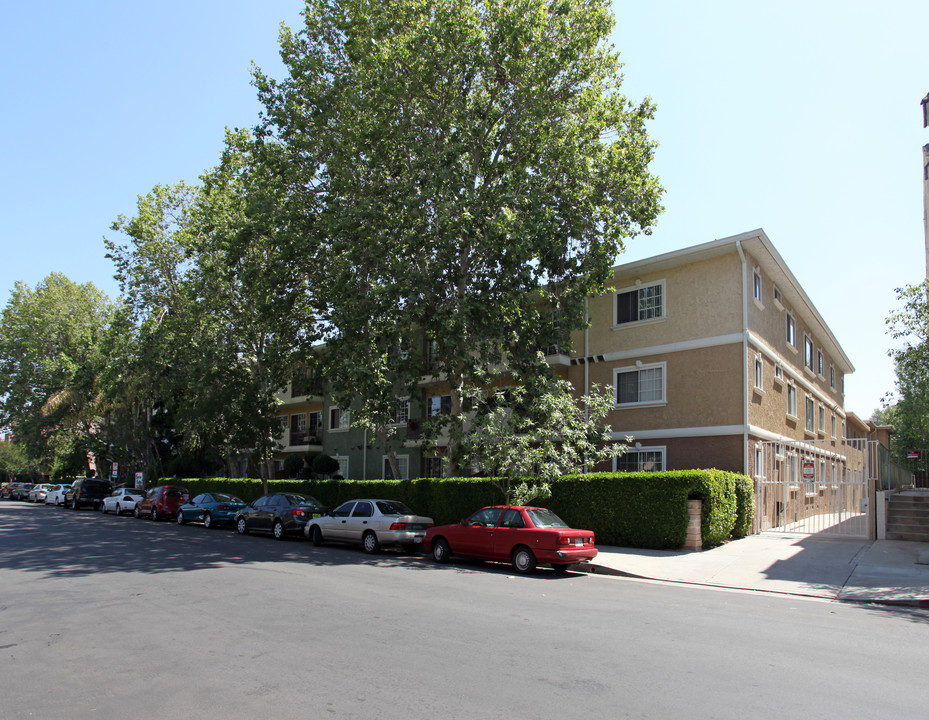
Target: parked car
<point>87,491</point>
<point>121,500</point>
<point>38,492</point>
<point>161,502</point>
<point>210,508</point>
<point>372,524</point>
<point>5,490</point>
<point>57,494</point>
<point>20,491</point>
<point>524,536</point>
<point>280,514</point>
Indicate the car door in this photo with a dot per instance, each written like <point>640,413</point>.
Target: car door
<point>359,521</point>
<point>476,537</point>
<point>333,525</point>
<point>510,532</point>
<point>264,512</point>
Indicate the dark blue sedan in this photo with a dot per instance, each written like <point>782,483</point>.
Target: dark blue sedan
<point>210,508</point>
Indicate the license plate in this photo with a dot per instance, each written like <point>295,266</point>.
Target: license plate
<point>578,541</point>
<point>417,539</point>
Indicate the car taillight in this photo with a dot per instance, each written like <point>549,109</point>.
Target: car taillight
<point>222,507</point>
<point>398,526</point>
<point>297,512</point>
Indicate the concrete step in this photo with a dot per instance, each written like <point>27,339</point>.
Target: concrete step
<point>908,518</point>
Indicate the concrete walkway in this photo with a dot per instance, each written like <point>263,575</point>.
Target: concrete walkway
<point>882,571</point>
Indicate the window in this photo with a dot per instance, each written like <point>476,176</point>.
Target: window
<point>756,285</point>
<point>640,385</point>
<point>778,372</point>
<point>833,424</point>
<point>431,359</point>
<point>512,519</point>
<point>401,413</point>
<point>808,352</point>
<point>791,331</point>
<point>315,428</point>
<point>640,460</point>
<point>822,419</point>
<point>434,467</point>
<point>363,509</point>
<point>339,419</point>
<point>820,364</point>
<point>832,376</point>
<point>792,400</point>
<point>759,372</point>
<point>298,429</point>
<point>343,465</point>
<point>810,418</point>
<point>759,461</point>
<point>643,303</point>
<point>778,299</point>
<point>440,405</point>
<point>403,466</point>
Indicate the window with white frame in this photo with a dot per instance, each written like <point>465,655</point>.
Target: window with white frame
<point>759,372</point>
<point>640,304</point>
<point>778,299</point>
<point>401,413</point>
<point>439,405</point>
<point>822,418</point>
<point>810,418</point>
<point>820,364</point>
<point>759,461</point>
<point>339,419</point>
<point>403,466</point>
<point>434,467</point>
<point>756,284</point>
<point>808,352</point>
<point>791,331</point>
<point>832,376</point>
<point>646,459</point>
<point>778,372</point>
<point>343,465</point>
<point>792,400</point>
<point>640,385</point>
<point>833,425</point>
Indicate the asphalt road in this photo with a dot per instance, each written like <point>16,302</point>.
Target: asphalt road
<point>105,617</point>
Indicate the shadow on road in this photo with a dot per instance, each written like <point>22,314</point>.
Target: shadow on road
<point>76,543</point>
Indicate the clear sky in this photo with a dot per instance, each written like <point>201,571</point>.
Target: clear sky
<point>801,118</point>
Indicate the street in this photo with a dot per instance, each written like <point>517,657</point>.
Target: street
<point>109,617</point>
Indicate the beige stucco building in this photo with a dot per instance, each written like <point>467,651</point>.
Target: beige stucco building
<point>711,350</point>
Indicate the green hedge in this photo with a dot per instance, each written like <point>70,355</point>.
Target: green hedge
<point>646,510</point>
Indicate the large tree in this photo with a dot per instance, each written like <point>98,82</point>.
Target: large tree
<point>471,170</point>
<point>49,361</point>
<point>220,311</point>
<point>908,409</point>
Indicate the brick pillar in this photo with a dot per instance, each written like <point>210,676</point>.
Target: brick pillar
<point>695,526</point>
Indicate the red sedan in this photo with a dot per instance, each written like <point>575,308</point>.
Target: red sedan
<point>524,536</point>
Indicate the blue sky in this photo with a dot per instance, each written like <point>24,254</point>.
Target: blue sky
<point>801,118</point>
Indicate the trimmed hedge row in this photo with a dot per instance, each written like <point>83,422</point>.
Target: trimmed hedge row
<point>646,510</point>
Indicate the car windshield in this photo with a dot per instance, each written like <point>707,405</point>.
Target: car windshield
<point>543,518</point>
<point>393,507</point>
<point>222,497</point>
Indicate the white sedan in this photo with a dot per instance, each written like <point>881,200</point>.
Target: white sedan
<point>56,494</point>
<point>370,523</point>
<point>121,500</point>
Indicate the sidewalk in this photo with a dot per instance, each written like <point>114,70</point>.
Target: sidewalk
<point>882,571</point>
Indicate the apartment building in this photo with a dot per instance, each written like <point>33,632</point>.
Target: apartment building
<point>709,350</point>
<point>712,350</point>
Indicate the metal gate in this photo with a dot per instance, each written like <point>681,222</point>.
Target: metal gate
<point>819,486</point>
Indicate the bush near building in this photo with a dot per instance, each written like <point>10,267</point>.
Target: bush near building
<point>646,510</point>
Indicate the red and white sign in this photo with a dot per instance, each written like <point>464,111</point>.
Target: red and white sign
<point>809,470</point>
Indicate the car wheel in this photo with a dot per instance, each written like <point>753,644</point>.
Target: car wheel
<point>316,536</point>
<point>560,568</point>
<point>369,542</point>
<point>155,514</point>
<point>207,521</point>
<point>441,552</point>
<point>523,560</point>
<point>241,526</point>
<point>180,518</point>
<point>278,530</point>
<point>136,513</point>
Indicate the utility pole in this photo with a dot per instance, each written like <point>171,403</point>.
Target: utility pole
<point>925,104</point>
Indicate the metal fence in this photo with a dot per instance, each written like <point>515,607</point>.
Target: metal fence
<point>820,486</point>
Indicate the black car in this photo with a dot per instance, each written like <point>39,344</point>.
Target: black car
<point>280,514</point>
<point>88,492</point>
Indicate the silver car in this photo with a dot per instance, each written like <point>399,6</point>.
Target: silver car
<point>39,492</point>
<point>121,500</point>
<point>56,494</point>
<point>371,524</point>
